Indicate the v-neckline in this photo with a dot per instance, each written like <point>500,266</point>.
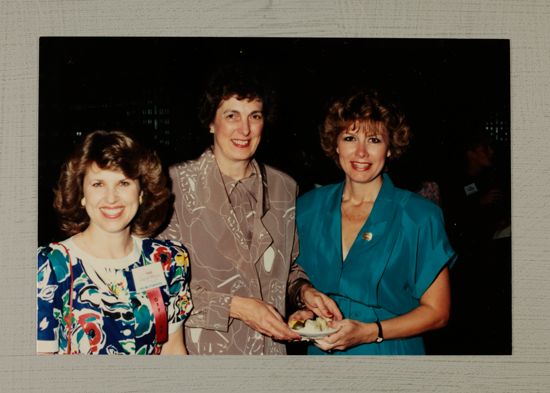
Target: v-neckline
<point>363,227</point>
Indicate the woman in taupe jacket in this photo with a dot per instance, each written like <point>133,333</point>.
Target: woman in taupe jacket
<point>236,216</point>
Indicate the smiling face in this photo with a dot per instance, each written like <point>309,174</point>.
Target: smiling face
<point>362,151</point>
<point>111,199</point>
<point>237,128</point>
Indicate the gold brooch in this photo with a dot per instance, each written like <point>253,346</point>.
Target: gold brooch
<point>367,236</point>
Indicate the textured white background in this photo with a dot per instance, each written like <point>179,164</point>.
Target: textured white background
<point>525,23</point>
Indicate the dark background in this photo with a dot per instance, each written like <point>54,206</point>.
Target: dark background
<point>448,88</point>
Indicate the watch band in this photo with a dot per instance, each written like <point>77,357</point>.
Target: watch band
<point>380,337</point>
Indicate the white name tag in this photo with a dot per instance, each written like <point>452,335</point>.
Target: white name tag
<point>470,189</point>
<point>149,276</point>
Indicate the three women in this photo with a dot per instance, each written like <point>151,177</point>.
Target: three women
<point>381,253</point>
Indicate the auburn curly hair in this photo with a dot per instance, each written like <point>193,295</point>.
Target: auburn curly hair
<point>367,107</point>
<point>114,150</point>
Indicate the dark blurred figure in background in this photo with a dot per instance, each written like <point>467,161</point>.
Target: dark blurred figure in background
<point>419,171</point>
<point>476,203</point>
<point>481,207</point>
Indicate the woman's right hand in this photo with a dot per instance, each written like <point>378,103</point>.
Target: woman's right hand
<point>301,315</point>
<point>262,317</point>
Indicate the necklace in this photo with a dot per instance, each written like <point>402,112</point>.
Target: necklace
<point>108,273</point>
<point>117,288</point>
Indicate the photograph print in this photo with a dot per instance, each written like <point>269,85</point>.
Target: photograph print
<point>320,196</point>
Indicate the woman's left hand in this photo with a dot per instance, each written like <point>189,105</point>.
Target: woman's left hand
<point>350,333</point>
<point>320,303</point>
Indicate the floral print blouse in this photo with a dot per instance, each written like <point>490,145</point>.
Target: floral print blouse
<point>109,315</point>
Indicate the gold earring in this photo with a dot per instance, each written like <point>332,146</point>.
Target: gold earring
<point>141,198</point>
<point>211,130</point>
<point>83,201</point>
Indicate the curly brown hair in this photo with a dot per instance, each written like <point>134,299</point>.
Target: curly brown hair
<point>368,107</point>
<point>114,150</point>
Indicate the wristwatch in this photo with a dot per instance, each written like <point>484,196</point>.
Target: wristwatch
<point>380,337</point>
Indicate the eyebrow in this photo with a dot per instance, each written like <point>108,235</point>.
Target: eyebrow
<point>237,111</point>
<point>95,177</point>
<point>367,132</point>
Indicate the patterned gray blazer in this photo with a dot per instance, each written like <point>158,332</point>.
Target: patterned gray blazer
<point>222,263</point>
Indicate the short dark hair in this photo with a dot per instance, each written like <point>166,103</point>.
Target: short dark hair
<point>114,150</point>
<point>239,80</point>
<point>364,106</point>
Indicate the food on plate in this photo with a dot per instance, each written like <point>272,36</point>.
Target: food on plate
<point>296,325</point>
<point>318,324</point>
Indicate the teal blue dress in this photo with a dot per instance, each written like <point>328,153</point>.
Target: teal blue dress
<point>396,256</point>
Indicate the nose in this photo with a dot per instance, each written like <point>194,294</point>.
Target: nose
<point>111,195</point>
<point>361,149</point>
<point>245,127</point>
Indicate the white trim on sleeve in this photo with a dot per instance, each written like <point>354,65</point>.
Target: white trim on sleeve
<point>172,327</point>
<point>47,346</point>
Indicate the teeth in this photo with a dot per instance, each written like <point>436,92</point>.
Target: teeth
<point>361,166</point>
<point>111,212</point>
<point>240,142</point>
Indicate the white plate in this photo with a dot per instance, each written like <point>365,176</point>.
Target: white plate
<point>307,333</point>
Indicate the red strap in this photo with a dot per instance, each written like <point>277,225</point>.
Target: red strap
<point>154,295</point>
<point>159,311</point>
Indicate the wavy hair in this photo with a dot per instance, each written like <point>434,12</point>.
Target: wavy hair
<point>368,107</point>
<point>114,150</point>
<point>239,80</point>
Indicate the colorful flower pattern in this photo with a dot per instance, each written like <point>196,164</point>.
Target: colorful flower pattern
<point>104,323</point>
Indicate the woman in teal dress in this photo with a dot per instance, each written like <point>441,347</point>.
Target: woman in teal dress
<point>379,251</point>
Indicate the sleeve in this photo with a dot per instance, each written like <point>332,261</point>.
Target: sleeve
<point>297,276</point>
<point>180,304</point>
<point>434,252</point>
<point>211,309</point>
<point>172,231</point>
<point>52,269</point>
